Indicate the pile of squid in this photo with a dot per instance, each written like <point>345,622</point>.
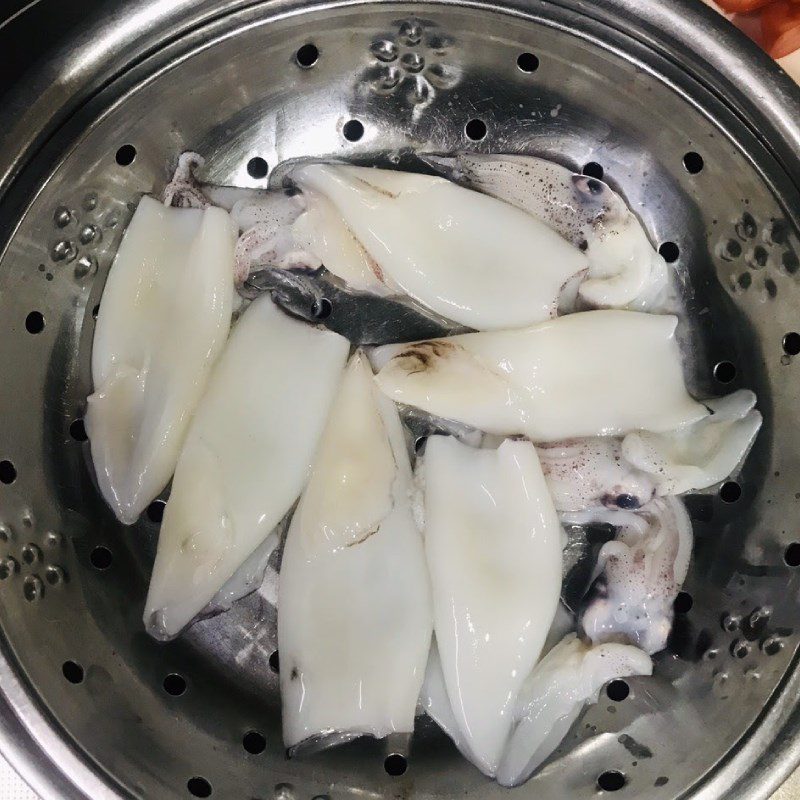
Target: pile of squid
<point>422,388</point>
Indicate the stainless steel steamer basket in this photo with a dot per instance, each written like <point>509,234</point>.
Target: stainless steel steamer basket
<point>100,97</point>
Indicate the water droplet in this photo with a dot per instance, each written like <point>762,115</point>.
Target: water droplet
<point>772,645</point>
<point>31,554</point>
<point>384,50</point>
<point>65,250</point>
<point>62,217</point>
<point>752,674</point>
<point>410,32</point>
<point>413,62</point>
<point>33,588</point>
<point>731,622</point>
<point>54,575</point>
<point>90,233</point>
<point>86,265</point>
<point>54,539</point>
<point>90,201</point>
<point>786,360</point>
<point>8,567</point>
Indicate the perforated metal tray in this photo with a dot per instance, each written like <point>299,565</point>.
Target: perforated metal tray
<point>97,106</point>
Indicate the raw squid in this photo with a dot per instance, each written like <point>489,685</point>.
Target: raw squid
<point>246,458</point>
<point>697,456</point>
<point>628,473</point>
<point>163,320</point>
<point>435,702</point>
<point>597,373</point>
<point>267,239</point>
<point>591,472</point>
<point>642,571</point>
<point>364,318</point>
<point>354,610</point>
<point>493,542</point>
<point>625,271</point>
<point>554,694</point>
<point>471,258</point>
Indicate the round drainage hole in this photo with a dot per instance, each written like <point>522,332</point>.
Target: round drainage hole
<point>8,472</point>
<point>792,555</point>
<point>254,742</point>
<point>322,308</point>
<point>101,557</point>
<point>594,170</point>
<point>353,130</point>
<point>683,603</point>
<point>257,168</point>
<point>791,344</point>
<point>527,62</point>
<point>78,431</point>
<point>73,671</point>
<point>476,130</point>
<point>611,780</point>
<point>730,492</point>
<point>725,371</point>
<point>175,684</point>
<point>395,765</point>
<point>155,511</point>
<point>618,690</point>
<point>275,662</point>
<point>670,252</point>
<point>126,155</point>
<point>693,162</point>
<point>199,787</point>
<point>34,322</point>
<point>307,55</point>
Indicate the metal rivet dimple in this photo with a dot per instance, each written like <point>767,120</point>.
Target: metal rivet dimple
<point>54,575</point>
<point>90,233</point>
<point>54,539</point>
<point>384,50</point>
<point>410,32</point>
<point>90,201</point>
<point>731,622</point>
<point>772,645</point>
<point>33,588</point>
<point>65,250</point>
<point>85,265</point>
<point>413,62</point>
<point>31,554</point>
<point>62,217</point>
<point>8,567</point>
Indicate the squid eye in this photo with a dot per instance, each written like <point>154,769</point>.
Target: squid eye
<point>627,501</point>
<point>589,186</point>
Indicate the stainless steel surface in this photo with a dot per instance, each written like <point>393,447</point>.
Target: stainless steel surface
<point>632,88</point>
